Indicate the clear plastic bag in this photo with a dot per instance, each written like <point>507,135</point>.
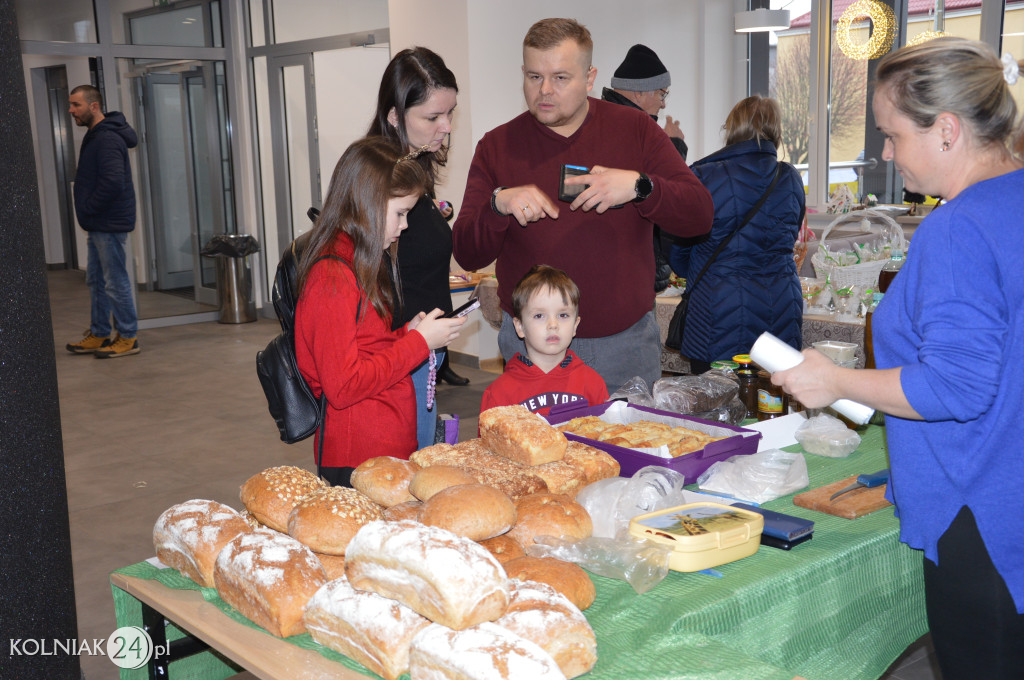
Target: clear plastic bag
<point>759,477</point>
<point>711,396</point>
<point>642,564</point>
<point>634,391</point>
<point>825,435</point>
<point>613,502</point>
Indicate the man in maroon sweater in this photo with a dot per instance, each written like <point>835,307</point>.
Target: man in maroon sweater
<point>511,214</point>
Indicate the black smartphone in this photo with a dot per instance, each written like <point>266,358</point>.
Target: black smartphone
<point>463,310</point>
<point>783,544</point>
<point>569,193</point>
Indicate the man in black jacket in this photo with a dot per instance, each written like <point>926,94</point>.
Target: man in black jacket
<point>642,81</point>
<point>105,207</point>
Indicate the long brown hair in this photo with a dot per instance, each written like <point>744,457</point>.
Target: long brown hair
<point>372,171</point>
<point>755,117</point>
<point>408,81</point>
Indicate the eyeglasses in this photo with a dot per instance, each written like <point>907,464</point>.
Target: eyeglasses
<point>662,94</point>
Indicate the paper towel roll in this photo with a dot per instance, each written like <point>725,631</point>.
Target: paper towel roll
<point>773,355</point>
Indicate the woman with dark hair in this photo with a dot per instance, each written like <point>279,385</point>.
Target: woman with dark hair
<point>415,106</point>
<point>752,285</point>
<point>344,343</point>
<point>947,337</point>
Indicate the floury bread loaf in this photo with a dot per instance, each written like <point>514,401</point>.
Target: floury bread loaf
<point>519,435</point>
<point>447,578</point>
<point>483,652</point>
<point>544,616</point>
<point>268,577</point>
<point>271,495</point>
<point>188,536</point>
<point>375,631</point>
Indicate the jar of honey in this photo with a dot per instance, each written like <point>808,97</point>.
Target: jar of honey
<point>748,383</point>
<point>772,401</point>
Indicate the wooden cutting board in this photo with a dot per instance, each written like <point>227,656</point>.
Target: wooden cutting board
<point>851,505</point>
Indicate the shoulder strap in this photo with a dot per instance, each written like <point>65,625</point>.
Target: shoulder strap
<point>746,218</point>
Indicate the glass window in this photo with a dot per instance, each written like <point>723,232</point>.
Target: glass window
<point>928,20</point>
<point>1013,42</point>
<point>56,20</point>
<point>257,32</point>
<point>306,19</point>
<point>182,27</point>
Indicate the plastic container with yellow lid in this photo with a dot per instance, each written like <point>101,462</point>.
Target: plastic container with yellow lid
<point>701,535</point>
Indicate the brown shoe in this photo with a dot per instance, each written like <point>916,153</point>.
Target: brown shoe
<point>120,347</point>
<point>88,344</point>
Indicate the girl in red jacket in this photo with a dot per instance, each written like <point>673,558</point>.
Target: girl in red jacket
<point>343,339</point>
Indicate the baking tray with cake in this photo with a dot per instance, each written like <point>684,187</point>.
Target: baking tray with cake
<point>727,440</point>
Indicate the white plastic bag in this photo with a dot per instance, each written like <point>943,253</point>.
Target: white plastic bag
<point>642,564</point>
<point>634,391</point>
<point>613,502</point>
<point>757,478</point>
<point>826,435</point>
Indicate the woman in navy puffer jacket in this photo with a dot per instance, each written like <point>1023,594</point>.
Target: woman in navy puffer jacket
<point>752,286</point>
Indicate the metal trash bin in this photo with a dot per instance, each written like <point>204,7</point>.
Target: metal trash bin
<point>234,275</point>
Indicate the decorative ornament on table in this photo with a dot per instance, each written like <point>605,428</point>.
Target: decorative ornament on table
<point>840,201</point>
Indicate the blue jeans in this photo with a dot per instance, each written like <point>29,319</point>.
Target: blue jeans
<point>109,286</point>
<point>426,421</point>
<point>617,358</point>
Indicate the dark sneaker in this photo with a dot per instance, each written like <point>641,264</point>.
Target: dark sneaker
<point>120,347</point>
<point>88,344</point>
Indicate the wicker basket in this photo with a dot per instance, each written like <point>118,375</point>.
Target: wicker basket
<point>862,273</point>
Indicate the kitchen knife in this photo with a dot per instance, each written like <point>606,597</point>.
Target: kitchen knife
<point>865,481</point>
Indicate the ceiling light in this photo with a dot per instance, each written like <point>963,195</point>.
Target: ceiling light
<point>757,20</point>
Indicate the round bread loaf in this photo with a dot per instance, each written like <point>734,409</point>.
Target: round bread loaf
<point>475,511</point>
<point>430,480</point>
<point>549,514</point>
<point>188,536</point>
<point>385,479</point>
<point>408,510</point>
<point>334,565</point>
<point>503,547</point>
<point>270,495</point>
<point>567,578</point>
<point>327,519</point>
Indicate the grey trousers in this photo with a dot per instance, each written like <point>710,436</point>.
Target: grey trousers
<point>617,358</point>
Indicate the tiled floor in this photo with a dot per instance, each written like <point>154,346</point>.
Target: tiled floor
<point>185,418</point>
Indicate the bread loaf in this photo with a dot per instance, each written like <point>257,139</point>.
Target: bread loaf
<point>548,514</point>
<point>567,578</point>
<point>385,479</point>
<point>517,434</point>
<point>409,510</point>
<point>513,479</point>
<point>475,511</point>
<point>544,616</point>
<point>430,480</point>
<point>561,477</point>
<point>595,463</point>
<point>270,495</point>
<point>268,577</point>
<point>334,565</point>
<point>188,536</point>
<point>328,518</point>
<point>375,631</point>
<point>504,548</point>
<point>444,577</point>
<point>484,652</point>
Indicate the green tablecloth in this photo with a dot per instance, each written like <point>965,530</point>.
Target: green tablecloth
<point>842,605</point>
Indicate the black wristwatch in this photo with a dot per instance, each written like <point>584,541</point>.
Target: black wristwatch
<point>644,187</point>
<point>494,199</point>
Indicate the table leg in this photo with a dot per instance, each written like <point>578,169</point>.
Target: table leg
<point>155,624</point>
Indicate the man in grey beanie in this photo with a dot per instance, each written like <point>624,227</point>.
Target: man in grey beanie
<point>642,81</point>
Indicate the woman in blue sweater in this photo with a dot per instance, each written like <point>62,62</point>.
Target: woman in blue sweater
<point>948,340</point>
<point>752,285</point>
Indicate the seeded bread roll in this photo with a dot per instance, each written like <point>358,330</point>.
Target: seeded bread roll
<point>373,630</point>
<point>409,510</point>
<point>514,479</point>
<point>444,577</point>
<point>431,480</point>
<point>504,548</point>
<point>519,435</point>
<point>561,477</point>
<point>484,652</point>
<point>544,616</point>
<point>549,514</point>
<point>270,495</point>
<point>268,577</point>
<point>475,511</point>
<point>385,479</point>
<point>328,518</point>
<point>567,578</point>
<point>595,463</point>
<point>188,536</point>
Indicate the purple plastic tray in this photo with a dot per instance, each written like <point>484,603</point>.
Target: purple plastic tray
<point>690,465</point>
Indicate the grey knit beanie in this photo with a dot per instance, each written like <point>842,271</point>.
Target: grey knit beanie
<point>641,71</point>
